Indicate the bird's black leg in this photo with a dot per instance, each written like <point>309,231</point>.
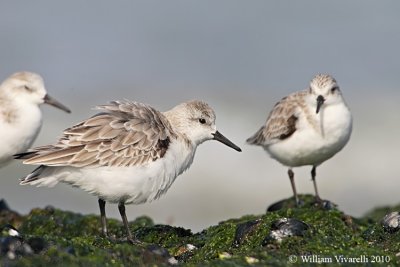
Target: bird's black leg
<point>291,177</point>
<point>121,208</point>
<point>102,205</point>
<point>313,175</point>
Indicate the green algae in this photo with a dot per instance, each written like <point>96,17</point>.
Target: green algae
<point>378,213</point>
<point>73,239</point>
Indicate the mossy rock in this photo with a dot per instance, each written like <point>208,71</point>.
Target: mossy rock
<point>63,238</point>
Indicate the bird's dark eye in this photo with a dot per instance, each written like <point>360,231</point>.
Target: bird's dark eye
<point>334,89</point>
<point>27,88</point>
<point>202,121</point>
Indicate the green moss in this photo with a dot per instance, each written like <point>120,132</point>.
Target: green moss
<point>74,240</point>
<point>378,213</point>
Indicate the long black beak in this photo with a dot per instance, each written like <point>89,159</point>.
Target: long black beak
<point>320,101</point>
<point>51,101</point>
<point>219,137</point>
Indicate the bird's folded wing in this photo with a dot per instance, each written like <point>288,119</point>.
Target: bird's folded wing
<point>280,124</point>
<point>123,134</point>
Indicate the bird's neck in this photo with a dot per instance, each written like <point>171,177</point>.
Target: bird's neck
<point>24,113</point>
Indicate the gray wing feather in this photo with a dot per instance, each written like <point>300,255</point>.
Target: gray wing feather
<point>123,134</point>
<point>281,122</point>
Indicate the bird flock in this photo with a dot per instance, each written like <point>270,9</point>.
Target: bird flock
<point>131,153</point>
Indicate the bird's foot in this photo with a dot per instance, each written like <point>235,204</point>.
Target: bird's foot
<point>318,200</point>
<point>298,202</point>
<point>130,240</point>
<point>109,237</point>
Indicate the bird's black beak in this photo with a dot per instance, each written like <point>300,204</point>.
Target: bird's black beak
<point>219,137</point>
<point>51,101</point>
<point>320,101</point>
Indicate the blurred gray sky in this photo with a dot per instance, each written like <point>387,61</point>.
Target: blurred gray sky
<point>241,57</point>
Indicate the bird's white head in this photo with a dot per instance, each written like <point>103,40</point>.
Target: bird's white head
<point>28,88</point>
<point>324,91</point>
<point>196,120</point>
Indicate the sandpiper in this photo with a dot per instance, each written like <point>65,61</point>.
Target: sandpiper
<point>127,153</point>
<point>20,117</point>
<point>307,127</point>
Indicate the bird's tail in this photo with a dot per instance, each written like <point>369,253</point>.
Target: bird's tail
<point>41,176</point>
<point>257,138</point>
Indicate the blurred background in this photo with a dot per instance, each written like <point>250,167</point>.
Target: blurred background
<point>239,56</point>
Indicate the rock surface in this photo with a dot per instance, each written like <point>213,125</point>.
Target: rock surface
<point>52,237</point>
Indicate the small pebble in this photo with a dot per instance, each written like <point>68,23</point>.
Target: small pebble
<point>37,244</point>
<point>12,247</point>
<point>12,243</point>
<point>251,260</point>
<point>185,252</point>
<point>285,227</point>
<point>328,205</point>
<point>9,230</point>
<point>158,250</point>
<point>158,254</point>
<point>243,230</point>
<point>391,222</point>
<point>224,255</point>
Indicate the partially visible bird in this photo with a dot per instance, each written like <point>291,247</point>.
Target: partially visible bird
<point>127,153</point>
<point>307,127</point>
<point>21,94</point>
